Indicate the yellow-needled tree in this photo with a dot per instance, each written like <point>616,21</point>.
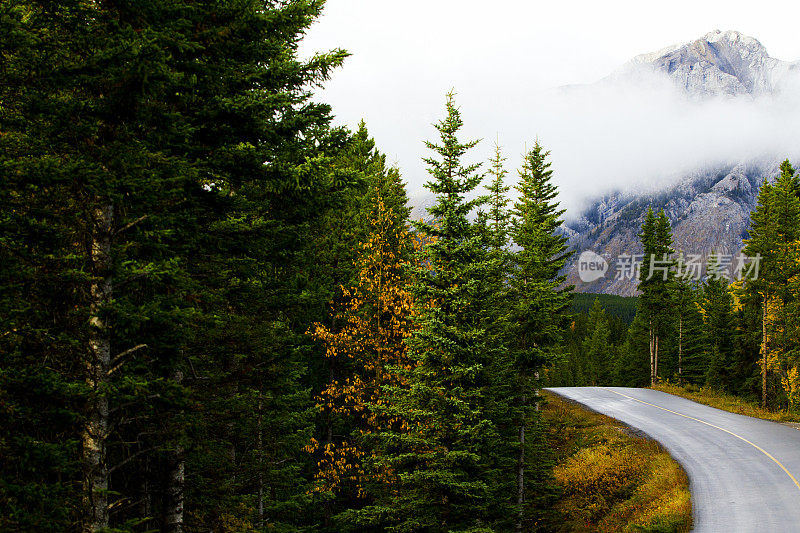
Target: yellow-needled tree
<point>370,351</point>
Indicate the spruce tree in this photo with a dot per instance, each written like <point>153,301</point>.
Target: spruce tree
<point>498,215</point>
<point>445,453</point>
<point>775,226</point>
<point>597,348</point>
<point>632,365</point>
<point>692,347</point>
<point>718,310</point>
<point>539,314</point>
<point>163,163</point>
<point>656,283</point>
<point>371,332</point>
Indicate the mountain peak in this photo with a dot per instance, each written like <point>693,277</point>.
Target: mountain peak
<point>732,36</point>
<point>721,63</point>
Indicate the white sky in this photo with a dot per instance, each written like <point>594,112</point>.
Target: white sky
<point>500,57</point>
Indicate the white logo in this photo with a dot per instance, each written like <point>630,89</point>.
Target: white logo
<point>591,266</point>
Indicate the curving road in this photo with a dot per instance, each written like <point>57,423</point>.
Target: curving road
<point>744,473</point>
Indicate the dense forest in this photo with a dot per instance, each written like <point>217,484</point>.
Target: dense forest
<point>216,314</point>
<point>734,328</point>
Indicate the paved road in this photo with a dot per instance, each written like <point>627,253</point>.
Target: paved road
<point>744,473</point>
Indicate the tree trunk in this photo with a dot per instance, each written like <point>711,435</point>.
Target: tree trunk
<point>655,365</point>
<point>680,350</point>
<point>260,461</point>
<point>173,514</point>
<point>521,469</point>
<point>764,355</point>
<point>95,430</point>
<point>652,355</point>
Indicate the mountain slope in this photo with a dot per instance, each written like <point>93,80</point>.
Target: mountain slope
<point>709,212</point>
<point>718,64</point>
<point>710,207</point>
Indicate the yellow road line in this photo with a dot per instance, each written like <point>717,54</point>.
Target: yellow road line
<point>756,446</point>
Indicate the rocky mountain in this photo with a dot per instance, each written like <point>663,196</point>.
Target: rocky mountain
<point>709,212</point>
<point>718,64</point>
<point>709,208</point>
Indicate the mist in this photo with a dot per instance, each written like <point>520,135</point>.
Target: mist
<point>638,135</point>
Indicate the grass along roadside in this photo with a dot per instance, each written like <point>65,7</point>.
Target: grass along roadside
<point>726,402</point>
<point>610,480</point>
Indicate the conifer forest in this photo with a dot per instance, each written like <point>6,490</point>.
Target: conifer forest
<point>218,315</point>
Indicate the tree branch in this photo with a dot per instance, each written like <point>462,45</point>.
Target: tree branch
<point>129,225</point>
<point>117,361</point>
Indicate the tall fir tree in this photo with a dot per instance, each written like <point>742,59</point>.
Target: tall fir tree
<point>692,347</point>
<point>539,315</point>
<point>656,283</point>
<point>174,156</point>
<point>596,347</point>
<point>445,455</point>
<point>775,226</point>
<point>498,216</point>
<point>718,314</point>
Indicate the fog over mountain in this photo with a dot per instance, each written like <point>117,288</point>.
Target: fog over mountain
<point>734,116</point>
<point>693,128</point>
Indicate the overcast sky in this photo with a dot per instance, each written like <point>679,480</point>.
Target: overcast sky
<point>502,57</point>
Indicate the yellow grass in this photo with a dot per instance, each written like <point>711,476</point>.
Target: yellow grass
<point>610,480</point>
<point>726,402</point>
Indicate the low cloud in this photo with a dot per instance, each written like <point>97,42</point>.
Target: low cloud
<point>631,135</point>
<point>647,134</point>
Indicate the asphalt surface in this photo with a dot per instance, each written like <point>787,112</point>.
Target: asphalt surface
<point>744,473</point>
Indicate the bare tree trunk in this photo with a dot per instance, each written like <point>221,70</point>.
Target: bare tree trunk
<point>144,488</point>
<point>764,355</point>
<point>173,515</point>
<point>652,356</point>
<point>655,365</point>
<point>680,350</point>
<point>521,469</point>
<point>95,431</point>
<point>260,461</point>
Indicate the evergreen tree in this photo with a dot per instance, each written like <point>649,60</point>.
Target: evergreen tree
<point>692,356</point>
<point>539,315</point>
<point>656,283</point>
<point>445,455</point>
<point>172,156</point>
<point>788,172</point>
<point>631,366</point>
<point>718,309</point>
<point>775,226</point>
<point>597,348</point>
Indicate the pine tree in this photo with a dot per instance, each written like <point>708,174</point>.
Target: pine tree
<point>539,314</point>
<point>788,172</point>
<point>692,340</point>
<point>775,226</point>
<point>597,348</point>
<point>498,215</point>
<point>655,282</point>
<point>631,367</point>
<point>718,309</point>
<point>444,455</point>
<point>173,157</point>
